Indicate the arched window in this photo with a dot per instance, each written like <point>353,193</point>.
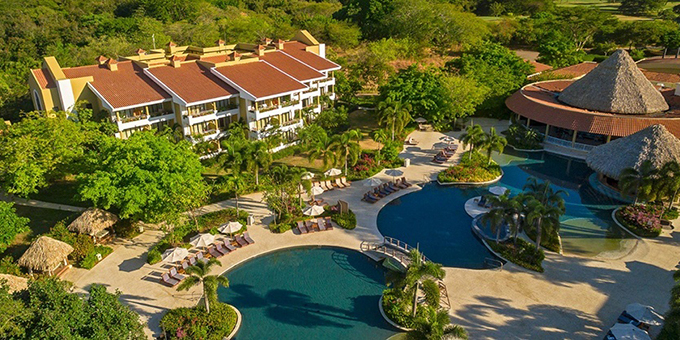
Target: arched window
<point>38,103</point>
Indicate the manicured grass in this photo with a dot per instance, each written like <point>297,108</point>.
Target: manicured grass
<point>609,7</point>
<point>367,122</point>
<point>61,192</point>
<point>41,222</point>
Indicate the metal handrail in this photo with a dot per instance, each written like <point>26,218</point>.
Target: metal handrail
<point>495,262</point>
<point>568,144</point>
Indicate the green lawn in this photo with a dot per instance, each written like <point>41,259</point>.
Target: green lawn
<point>62,192</point>
<point>41,222</point>
<point>609,7</point>
<point>367,122</point>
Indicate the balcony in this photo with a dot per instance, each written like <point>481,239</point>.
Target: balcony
<point>161,113</point>
<point>273,110</point>
<point>201,113</point>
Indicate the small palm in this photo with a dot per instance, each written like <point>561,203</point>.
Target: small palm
<point>198,274</point>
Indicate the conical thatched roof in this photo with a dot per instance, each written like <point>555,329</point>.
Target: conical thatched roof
<point>653,143</point>
<point>14,283</point>
<point>44,254</point>
<point>92,221</point>
<point>616,85</point>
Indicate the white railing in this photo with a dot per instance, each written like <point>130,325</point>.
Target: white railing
<point>568,144</point>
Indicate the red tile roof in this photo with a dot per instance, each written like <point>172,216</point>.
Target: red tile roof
<point>260,79</point>
<point>539,67</point>
<point>294,45</point>
<point>311,59</point>
<point>44,78</point>
<point>203,84</point>
<point>127,86</point>
<point>291,66</point>
<point>536,103</point>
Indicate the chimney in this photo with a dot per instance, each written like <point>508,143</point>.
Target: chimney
<point>279,44</point>
<point>175,61</point>
<point>170,47</point>
<point>235,56</point>
<point>266,41</point>
<point>219,42</point>
<point>112,64</point>
<point>101,59</point>
<point>140,52</point>
<point>260,50</point>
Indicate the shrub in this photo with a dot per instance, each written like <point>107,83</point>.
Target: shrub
<point>548,241</point>
<point>346,220</point>
<point>671,214</point>
<point>522,138</point>
<point>523,253</point>
<point>476,169</point>
<point>281,227</point>
<point>8,266</point>
<point>126,229</point>
<point>195,323</point>
<point>91,259</point>
<point>394,306</point>
<point>643,220</point>
<point>153,256</point>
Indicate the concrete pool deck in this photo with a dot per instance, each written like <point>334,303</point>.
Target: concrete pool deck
<point>576,297</point>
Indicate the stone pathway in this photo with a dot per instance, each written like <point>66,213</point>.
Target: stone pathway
<point>39,204</point>
<point>575,298</point>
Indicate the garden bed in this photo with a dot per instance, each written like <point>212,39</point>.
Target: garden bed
<point>523,254</point>
<point>195,323</point>
<point>346,221</point>
<point>471,170</point>
<point>550,242</point>
<point>641,220</point>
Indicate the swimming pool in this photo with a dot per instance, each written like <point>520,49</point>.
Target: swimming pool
<point>434,218</point>
<point>308,293</point>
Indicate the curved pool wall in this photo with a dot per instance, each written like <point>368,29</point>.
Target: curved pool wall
<point>308,293</point>
<point>434,218</point>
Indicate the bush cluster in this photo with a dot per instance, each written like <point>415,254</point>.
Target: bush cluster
<point>523,253</point>
<point>642,219</point>
<point>367,165</point>
<point>522,138</point>
<point>195,323</point>
<point>346,220</point>
<point>548,241</point>
<point>396,307</point>
<point>84,249</point>
<point>90,260</point>
<point>476,169</point>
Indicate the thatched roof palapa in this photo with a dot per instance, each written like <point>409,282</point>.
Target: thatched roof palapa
<point>92,221</point>
<point>654,143</point>
<point>45,254</point>
<point>14,283</point>
<point>616,86</point>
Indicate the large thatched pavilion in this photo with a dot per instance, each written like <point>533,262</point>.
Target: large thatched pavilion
<point>93,222</point>
<point>14,283</point>
<point>655,144</point>
<point>612,100</point>
<point>46,255</point>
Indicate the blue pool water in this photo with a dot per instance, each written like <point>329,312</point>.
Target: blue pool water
<point>434,218</point>
<point>308,293</point>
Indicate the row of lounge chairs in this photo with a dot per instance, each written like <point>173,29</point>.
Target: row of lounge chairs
<point>313,225</point>
<point>445,154</point>
<point>330,184</point>
<point>218,249</point>
<point>385,189</point>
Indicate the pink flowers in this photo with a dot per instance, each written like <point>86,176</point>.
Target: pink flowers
<point>645,217</point>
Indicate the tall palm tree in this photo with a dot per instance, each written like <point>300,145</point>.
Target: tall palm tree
<point>493,142</point>
<point>514,209</point>
<point>347,147</point>
<point>473,136</point>
<point>638,182</point>
<point>545,218</point>
<point>238,184</point>
<point>198,274</point>
<point>417,271</point>
<point>544,193</point>
<point>232,157</point>
<point>258,157</point>
<point>379,136</point>
<point>394,114</point>
<point>498,215</point>
<point>322,150</point>
<point>670,178</point>
<point>297,174</point>
<point>435,324</point>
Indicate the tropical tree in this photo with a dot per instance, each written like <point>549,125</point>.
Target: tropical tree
<point>380,136</point>
<point>10,224</point>
<point>236,183</point>
<point>638,182</point>
<point>435,324</point>
<point>198,274</point>
<point>514,209</point>
<point>473,136</point>
<point>544,193</point>
<point>498,215</point>
<point>322,149</point>
<point>493,142</point>
<point>347,147</point>
<point>296,174</point>
<point>417,271</point>
<point>670,178</point>
<point>545,218</point>
<point>258,157</point>
<point>394,114</point>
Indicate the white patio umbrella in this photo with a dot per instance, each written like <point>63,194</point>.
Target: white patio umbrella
<point>372,182</point>
<point>393,173</point>
<point>332,172</point>
<point>449,139</point>
<point>498,190</point>
<point>420,120</point>
<point>174,255</point>
<point>316,191</point>
<point>644,314</point>
<point>314,210</point>
<point>626,331</point>
<point>230,228</point>
<point>308,175</point>
<point>202,240</point>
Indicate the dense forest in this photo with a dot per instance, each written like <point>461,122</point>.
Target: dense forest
<point>370,38</point>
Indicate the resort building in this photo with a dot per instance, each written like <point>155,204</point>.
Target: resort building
<point>269,86</point>
<point>606,101</point>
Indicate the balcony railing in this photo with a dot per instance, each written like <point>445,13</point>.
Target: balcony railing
<point>132,118</point>
<point>311,89</point>
<point>227,108</point>
<point>290,122</point>
<point>161,113</point>
<point>201,113</point>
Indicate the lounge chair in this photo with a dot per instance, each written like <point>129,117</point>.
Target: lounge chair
<point>219,247</point>
<point>185,265</point>
<point>373,196</point>
<point>241,241</point>
<point>329,185</point>
<point>344,181</point>
<point>175,275</point>
<point>369,199</point>
<point>403,180</point>
<point>321,224</point>
<point>310,226</point>
<point>165,278</point>
<point>378,193</point>
<point>227,244</point>
<point>192,260</point>
<point>401,184</point>
<point>386,188</point>
<point>339,184</point>
<point>393,186</point>
<point>329,225</point>
<point>214,253</point>
<point>301,227</point>
<point>199,257</point>
<point>248,238</point>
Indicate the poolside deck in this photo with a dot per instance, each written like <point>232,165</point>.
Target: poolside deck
<point>576,297</point>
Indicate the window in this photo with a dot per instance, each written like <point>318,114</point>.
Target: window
<point>38,103</point>
<point>160,126</point>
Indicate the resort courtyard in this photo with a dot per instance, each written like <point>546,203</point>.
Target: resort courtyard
<point>578,296</point>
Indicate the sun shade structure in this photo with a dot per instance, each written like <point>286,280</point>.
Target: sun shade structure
<point>317,191</point>
<point>174,254</point>
<point>332,172</point>
<point>617,86</point>
<point>644,314</point>
<point>45,254</point>
<point>498,190</point>
<point>92,221</point>
<point>14,283</point>
<point>654,143</point>
<point>231,227</point>
<point>371,182</point>
<point>623,331</point>
<point>202,240</point>
<point>314,210</point>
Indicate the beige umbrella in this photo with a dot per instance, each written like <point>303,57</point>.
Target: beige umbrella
<point>231,227</point>
<point>308,175</point>
<point>332,172</point>
<point>202,240</point>
<point>314,210</point>
<point>174,255</point>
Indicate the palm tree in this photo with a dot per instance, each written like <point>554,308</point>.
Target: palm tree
<point>395,114</point>
<point>435,324</point>
<point>544,193</point>
<point>670,178</point>
<point>347,147</point>
<point>198,273</point>
<point>258,157</point>
<point>238,184</point>
<point>473,135</point>
<point>493,142</point>
<point>544,218</point>
<point>232,157</point>
<point>638,182</point>
<point>297,174</point>
<point>322,150</point>
<point>514,209</point>
<point>498,215</point>
<point>379,136</point>
<point>417,270</point>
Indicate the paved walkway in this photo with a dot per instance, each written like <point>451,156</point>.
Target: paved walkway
<point>39,204</point>
<point>575,298</point>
